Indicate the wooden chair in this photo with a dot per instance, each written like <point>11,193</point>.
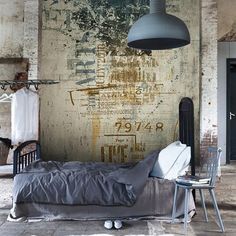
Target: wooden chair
<point>211,165</point>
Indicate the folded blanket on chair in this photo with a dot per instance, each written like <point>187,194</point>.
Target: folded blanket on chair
<point>82,183</point>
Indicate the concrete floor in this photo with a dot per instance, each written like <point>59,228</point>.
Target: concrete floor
<point>6,170</point>
<point>226,197</point>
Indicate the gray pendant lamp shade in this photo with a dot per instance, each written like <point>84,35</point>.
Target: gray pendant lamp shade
<point>158,30</point>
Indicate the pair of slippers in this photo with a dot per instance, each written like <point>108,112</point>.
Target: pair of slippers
<point>108,224</point>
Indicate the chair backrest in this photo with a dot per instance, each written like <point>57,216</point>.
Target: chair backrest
<point>211,164</point>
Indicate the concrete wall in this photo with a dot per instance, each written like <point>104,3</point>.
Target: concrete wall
<point>226,20</point>
<point>125,102</point>
<point>113,103</point>
<point>11,28</point>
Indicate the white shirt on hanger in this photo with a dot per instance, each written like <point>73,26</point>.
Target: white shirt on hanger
<point>24,116</point>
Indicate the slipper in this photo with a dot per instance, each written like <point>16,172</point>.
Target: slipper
<point>118,224</point>
<point>108,224</point>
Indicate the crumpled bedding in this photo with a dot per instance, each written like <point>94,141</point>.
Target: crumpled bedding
<point>77,183</point>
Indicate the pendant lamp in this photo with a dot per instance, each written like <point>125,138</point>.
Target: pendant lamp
<point>158,30</point>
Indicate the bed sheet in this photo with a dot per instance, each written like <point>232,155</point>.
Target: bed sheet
<point>156,200</point>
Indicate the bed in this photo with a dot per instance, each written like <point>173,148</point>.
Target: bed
<point>151,197</point>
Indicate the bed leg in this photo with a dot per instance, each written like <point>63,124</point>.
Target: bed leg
<point>174,204</point>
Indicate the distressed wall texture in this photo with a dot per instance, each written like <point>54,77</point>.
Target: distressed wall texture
<point>11,46</point>
<point>226,20</point>
<point>19,27</point>
<point>31,36</point>
<point>208,115</point>
<point>8,69</point>
<point>11,28</point>
<point>113,103</point>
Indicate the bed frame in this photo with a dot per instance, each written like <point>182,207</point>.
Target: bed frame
<point>155,201</point>
<point>146,205</point>
<point>22,157</point>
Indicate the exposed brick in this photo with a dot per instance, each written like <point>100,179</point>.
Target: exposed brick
<point>208,115</point>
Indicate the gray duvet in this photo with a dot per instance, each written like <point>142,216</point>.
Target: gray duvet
<point>73,183</point>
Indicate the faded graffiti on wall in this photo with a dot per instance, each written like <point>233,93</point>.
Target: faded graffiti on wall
<point>113,103</point>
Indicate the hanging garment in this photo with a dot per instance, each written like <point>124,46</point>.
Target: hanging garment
<point>24,116</point>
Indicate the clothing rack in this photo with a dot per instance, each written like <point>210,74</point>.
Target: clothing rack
<point>26,83</point>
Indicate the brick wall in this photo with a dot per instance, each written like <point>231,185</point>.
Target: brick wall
<point>208,109</point>
<point>31,36</point>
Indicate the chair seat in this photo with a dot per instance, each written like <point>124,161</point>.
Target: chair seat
<point>194,186</point>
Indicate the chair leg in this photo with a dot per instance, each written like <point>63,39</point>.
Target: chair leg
<point>212,193</point>
<point>203,204</point>
<point>187,191</point>
<point>174,204</point>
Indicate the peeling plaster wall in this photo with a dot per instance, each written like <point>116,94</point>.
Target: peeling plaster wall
<point>19,27</point>
<point>113,103</point>
<point>208,115</point>
<point>11,28</point>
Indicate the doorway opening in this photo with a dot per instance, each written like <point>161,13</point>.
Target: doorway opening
<point>231,111</point>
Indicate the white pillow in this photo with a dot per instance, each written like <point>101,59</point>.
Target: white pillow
<point>172,161</point>
<point>181,165</point>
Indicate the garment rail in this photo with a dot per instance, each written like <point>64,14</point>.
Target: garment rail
<point>26,83</point>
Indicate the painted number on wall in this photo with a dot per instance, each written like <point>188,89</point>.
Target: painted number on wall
<point>138,126</point>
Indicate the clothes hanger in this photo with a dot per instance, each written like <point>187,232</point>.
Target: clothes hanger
<point>26,85</point>
<point>35,90</point>
<point>6,98</point>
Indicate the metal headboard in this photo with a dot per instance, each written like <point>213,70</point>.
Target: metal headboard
<point>22,159</point>
<point>186,127</point>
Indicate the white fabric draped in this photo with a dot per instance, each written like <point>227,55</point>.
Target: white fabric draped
<point>172,161</point>
<point>24,116</point>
